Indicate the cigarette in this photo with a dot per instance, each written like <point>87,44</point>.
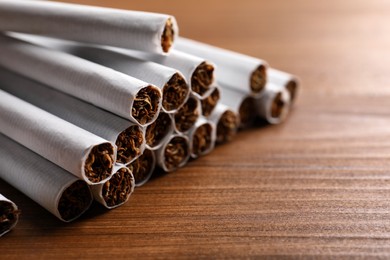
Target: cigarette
<point>59,192</point>
<point>9,215</point>
<point>187,115</point>
<point>289,81</point>
<point>227,122</point>
<point>117,190</point>
<point>202,138</point>
<point>274,105</point>
<point>78,151</point>
<point>143,167</point>
<point>173,154</point>
<point>114,91</point>
<point>210,101</point>
<point>241,103</point>
<point>150,32</point>
<point>238,70</point>
<point>128,137</point>
<point>159,131</point>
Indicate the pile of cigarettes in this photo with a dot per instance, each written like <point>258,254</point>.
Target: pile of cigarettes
<point>93,99</point>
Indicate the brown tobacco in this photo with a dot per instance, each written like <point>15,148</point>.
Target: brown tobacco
<point>209,103</point>
<point>247,111</point>
<point>99,163</point>
<point>187,115</point>
<point>143,166</point>
<point>277,106</point>
<point>227,126</point>
<point>258,79</point>
<point>175,92</point>
<point>156,131</point>
<point>167,36</point>
<point>118,189</point>
<point>176,152</point>
<point>146,105</point>
<point>202,78</point>
<point>292,89</point>
<point>201,141</point>
<point>74,200</point>
<point>129,144</point>
<point>8,216</point>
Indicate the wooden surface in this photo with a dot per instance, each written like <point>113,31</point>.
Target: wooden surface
<point>318,185</point>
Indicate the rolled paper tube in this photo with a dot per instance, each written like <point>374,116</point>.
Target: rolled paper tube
<point>274,105</point>
<point>187,115</point>
<point>150,32</point>
<point>241,103</point>
<point>128,137</point>
<point>59,192</point>
<point>159,131</point>
<point>238,70</point>
<point>143,167</point>
<point>210,101</point>
<point>9,215</point>
<point>78,151</point>
<point>227,122</point>
<point>202,138</point>
<point>111,90</point>
<point>289,81</point>
<point>117,190</point>
<point>174,154</point>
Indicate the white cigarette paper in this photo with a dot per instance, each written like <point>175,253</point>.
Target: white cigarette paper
<point>227,122</point>
<point>9,215</point>
<point>59,192</point>
<point>240,71</point>
<point>143,167</point>
<point>78,151</point>
<point>274,105</point>
<point>202,137</point>
<point>129,137</point>
<point>151,32</point>
<point>174,154</point>
<point>117,190</point>
<point>289,81</point>
<point>112,90</point>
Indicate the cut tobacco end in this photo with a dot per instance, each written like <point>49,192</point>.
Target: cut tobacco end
<point>247,112</point>
<point>278,105</point>
<point>146,105</point>
<point>176,153</point>
<point>143,167</point>
<point>202,139</point>
<point>209,103</point>
<point>98,165</point>
<point>158,130</point>
<point>202,78</point>
<point>187,115</point>
<point>258,79</point>
<point>227,126</point>
<point>175,93</point>
<point>9,215</point>
<point>74,201</point>
<point>118,189</point>
<point>129,144</point>
<point>167,36</point>
<point>292,87</point>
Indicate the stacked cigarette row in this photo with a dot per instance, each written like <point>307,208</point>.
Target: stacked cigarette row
<point>88,113</point>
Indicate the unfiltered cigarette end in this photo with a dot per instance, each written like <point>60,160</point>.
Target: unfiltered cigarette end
<point>209,103</point>
<point>146,104</point>
<point>227,126</point>
<point>168,36</point>
<point>258,79</point>
<point>129,144</point>
<point>99,163</point>
<point>187,115</point>
<point>175,92</point>
<point>8,216</point>
<point>292,87</point>
<point>117,190</point>
<point>176,153</point>
<point>247,112</point>
<point>156,131</point>
<point>142,167</point>
<point>278,106</point>
<point>74,201</point>
<point>202,78</point>
<point>202,139</point>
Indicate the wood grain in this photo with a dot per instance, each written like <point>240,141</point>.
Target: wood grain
<point>316,186</point>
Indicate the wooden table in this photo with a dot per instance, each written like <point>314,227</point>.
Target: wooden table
<point>317,185</point>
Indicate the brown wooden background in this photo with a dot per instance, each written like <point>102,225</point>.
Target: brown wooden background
<point>318,185</point>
